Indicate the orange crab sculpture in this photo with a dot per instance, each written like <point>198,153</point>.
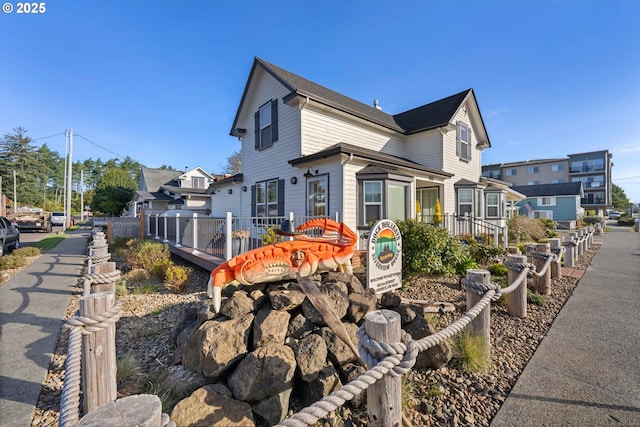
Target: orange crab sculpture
<point>304,256</point>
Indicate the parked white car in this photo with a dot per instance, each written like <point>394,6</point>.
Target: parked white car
<point>614,215</point>
<point>57,218</point>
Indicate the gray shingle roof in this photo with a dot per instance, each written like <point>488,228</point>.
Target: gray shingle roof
<point>429,116</point>
<point>156,178</point>
<point>544,190</point>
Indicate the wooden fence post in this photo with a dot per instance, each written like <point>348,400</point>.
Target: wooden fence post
<point>98,354</point>
<point>481,324</point>
<point>384,397</point>
<point>138,410</point>
<point>569,252</point>
<point>542,284</point>
<point>517,305</point>
<point>556,249</point>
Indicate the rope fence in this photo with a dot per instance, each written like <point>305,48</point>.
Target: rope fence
<point>396,359</point>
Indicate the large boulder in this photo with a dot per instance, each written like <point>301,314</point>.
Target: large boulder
<point>205,407</point>
<point>300,327</point>
<point>285,297</point>
<point>264,372</point>
<point>237,305</point>
<point>311,356</point>
<point>183,381</point>
<point>217,345</point>
<point>274,408</point>
<point>339,351</point>
<point>270,327</point>
<point>337,297</point>
<point>361,304</point>
<point>328,381</point>
<point>438,355</point>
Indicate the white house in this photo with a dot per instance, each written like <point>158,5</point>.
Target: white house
<point>312,151</point>
<point>169,189</point>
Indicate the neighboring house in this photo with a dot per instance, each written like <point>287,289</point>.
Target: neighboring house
<point>559,202</point>
<point>592,169</point>
<point>168,189</point>
<point>312,151</point>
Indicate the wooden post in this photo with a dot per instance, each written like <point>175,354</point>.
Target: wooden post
<point>481,324</point>
<point>513,250</point>
<point>109,231</point>
<point>555,245</point>
<point>569,251</point>
<point>384,398</point>
<point>542,284</point>
<point>517,305</point>
<point>98,354</point>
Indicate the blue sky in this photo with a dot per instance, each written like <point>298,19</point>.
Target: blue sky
<point>160,81</point>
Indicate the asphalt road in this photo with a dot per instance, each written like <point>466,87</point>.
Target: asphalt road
<point>27,238</point>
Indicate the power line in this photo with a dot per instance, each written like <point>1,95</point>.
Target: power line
<point>628,177</point>
<point>51,136</point>
<point>100,146</point>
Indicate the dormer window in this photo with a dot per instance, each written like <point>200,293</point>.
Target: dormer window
<point>266,122</point>
<point>197,182</point>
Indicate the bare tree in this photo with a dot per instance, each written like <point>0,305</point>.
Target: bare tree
<point>234,164</point>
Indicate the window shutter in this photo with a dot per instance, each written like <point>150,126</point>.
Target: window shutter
<point>256,116</point>
<point>253,201</point>
<point>458,139</point>
<point>470,145</point>
<point>274,120</point>
<point>280,197</point>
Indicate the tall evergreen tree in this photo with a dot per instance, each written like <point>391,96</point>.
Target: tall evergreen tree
<point>19,154</point>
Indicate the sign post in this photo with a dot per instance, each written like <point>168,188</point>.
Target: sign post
<point>384,257</point>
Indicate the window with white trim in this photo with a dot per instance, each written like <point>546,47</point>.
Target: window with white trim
<point>197,182</point>
<point>511,172</point>
<point>372,201</point>
<point>465,201</point>
<point>317,196</point>
<point>533,170</point>
<point>546,201</point>
<point>463,137</point>
<point>543,214</point>
<point>557,167</point>
<point>493,205</point>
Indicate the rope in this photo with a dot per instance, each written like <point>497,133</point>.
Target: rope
<point>79,326</point>
<point>103,278</point>
<point>480,288</point>
<point>97,259</point>
<point>367,347</point>
<point>550,258</point>
<point>320,409</point>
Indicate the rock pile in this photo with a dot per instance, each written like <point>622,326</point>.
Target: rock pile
<point>269,351</point>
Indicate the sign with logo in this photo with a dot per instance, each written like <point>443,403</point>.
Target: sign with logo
<point>384,257</point>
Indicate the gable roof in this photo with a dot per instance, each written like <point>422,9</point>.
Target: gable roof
<point>156,178</point>
<point>426,117</point>
<point>544,190</point>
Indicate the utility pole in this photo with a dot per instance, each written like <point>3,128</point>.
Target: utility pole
<point>81,195</point>
<point>2,212</point>
<point>15,198</point>
<point>69,162</point>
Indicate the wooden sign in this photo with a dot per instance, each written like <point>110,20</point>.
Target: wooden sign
<point>384,257</point>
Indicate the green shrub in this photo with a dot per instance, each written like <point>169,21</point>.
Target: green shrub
<point>534,298</point>
<point>137,276</point>
<point>550,226</point>
<point>126,367</point>
<point>160,269</point>
<point>145,288</point>
<point>498,270</point>
<point>177,278</point>
<point>121,288</point>
<point>146,254</point>
<point>483,253</point>
<point>9,262</point>
<point>626,220</point>
<point>429,249</point>
<point>26,251</point>
<point>468,353</point>
<point>591,220</point>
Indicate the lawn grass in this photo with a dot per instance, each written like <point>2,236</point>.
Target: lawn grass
<point>50,242</point>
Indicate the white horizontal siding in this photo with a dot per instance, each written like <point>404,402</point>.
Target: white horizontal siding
<point>425,148</point>
<point>321,130</point>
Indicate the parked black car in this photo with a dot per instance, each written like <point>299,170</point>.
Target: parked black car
<point>9,236</point>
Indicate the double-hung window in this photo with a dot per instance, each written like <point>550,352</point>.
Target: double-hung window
<point>197,182</point>
<point>463,141</point>
<point>465,201</point>
<point>372,201</point>
<point>266,125</point>
<point>493,205</point>
<point>317,192</point>
<point>533,170</point>
<point>268,198</point>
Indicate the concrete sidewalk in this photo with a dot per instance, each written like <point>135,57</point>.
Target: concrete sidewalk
<point>33,305</point>
<point>586,371</point>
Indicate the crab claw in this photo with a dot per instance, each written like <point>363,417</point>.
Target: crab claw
<point>333,231</point>
<point>215,293</point>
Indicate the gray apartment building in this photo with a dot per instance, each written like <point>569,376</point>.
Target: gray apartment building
<point>593,169</point>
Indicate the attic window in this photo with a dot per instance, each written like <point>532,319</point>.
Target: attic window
<point>463,141</point>
<point>266,125</point>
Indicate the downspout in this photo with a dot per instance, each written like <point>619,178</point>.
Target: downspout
<point>342,190</point>
<point>300,108</point>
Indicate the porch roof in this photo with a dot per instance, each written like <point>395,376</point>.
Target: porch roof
<point>185,191</point>
<point>367,154</point>
<point>153,195</point>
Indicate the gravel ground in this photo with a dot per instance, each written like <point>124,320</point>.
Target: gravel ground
<point>445,396</point>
